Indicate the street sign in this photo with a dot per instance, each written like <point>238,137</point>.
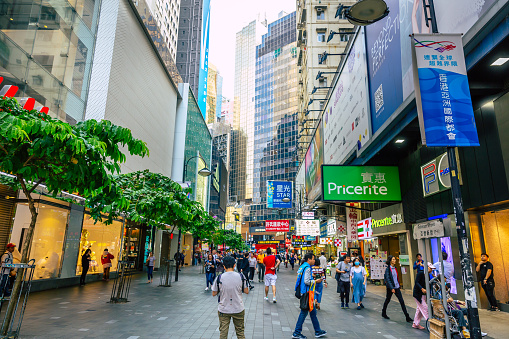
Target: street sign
<point>429,229</point>
<point>308,215</point>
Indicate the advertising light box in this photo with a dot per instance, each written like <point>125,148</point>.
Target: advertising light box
<point>360,183</point>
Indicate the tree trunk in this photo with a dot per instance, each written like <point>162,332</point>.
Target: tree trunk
<point>16,290</point>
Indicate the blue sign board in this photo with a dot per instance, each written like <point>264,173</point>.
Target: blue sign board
<point>310,238</point>
<point>323,230</point>
<point>277,191</point>
<point>443,97</point>
<point>204,59</point>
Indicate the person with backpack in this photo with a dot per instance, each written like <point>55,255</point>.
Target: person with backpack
<point>302,286</point>
<point>229,286</point>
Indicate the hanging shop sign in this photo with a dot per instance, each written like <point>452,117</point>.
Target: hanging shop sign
<point>338,243</point>
<point>308,215</point>
<point>270,242</point>
<point>277,225</point>
<point>323,229</point>
<point>364,229</point>
<point>331,227</point>
<point>277,191</point>
<point>301,242</point>
<point>444,105</point>
<point>308,227</point>
<point>341,228</point>
<point>428,229</point>
<point>360,183</point>
<point>436,175</point>
<point>392,220</point>
<point>254,229</point>
<point>352,218</point>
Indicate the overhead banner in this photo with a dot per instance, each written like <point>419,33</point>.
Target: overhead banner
<point>331,227</point>
<point>313,163</point>
<point>360,183</point>
<point>277,225</point>
<point>352,218</point>
<point>346,122</point>
<point>277,191</point>
<point>307,227</point>
<point>444,105</point>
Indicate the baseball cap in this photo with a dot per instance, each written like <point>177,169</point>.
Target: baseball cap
<point>430,265</point>
<point>10,245</point>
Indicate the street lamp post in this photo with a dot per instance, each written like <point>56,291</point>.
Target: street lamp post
<point>204,172</point>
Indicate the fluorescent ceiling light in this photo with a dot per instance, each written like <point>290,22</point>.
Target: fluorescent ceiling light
<point>400,141</point>
<point>500,61</point>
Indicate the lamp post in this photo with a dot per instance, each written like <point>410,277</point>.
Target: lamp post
<point>204,172</point>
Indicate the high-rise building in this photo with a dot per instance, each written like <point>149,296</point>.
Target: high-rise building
<point>214,91</point>
<point>241,174</point>
<point>227,111</point>
<point>275,125</point>
<point>315,22</point>
<point>166,14</point>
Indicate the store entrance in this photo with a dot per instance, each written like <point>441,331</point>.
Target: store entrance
<point>495,228</point>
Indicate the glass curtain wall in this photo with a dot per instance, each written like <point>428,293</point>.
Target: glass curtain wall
<point>46,49</point>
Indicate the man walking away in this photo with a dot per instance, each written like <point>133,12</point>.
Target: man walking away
<point>271,263</point>
<point>393,287</point>
<point>252,266</point>
<point>487,280</point>
<point>448,269</point>
<point>261,268</point>
<point>304,281</point>
<point>323,261</point>
<point>343,278</point>
<point>230,285</point>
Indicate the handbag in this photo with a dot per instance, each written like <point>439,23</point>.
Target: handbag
<point>304,302</point>
<point>312,296</point>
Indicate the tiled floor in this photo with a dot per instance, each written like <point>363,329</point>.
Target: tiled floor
<point>185,310</point>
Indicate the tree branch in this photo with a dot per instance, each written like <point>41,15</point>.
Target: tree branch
<point>3,149</point>
<point>35,185</point>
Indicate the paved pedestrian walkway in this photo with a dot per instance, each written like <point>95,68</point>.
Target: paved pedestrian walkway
<point>186,310</point>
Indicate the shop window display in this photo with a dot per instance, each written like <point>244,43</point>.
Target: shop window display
<point>48,237</point>
<point>98,237</point>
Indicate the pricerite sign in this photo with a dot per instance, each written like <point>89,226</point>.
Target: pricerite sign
<point>360,183</point>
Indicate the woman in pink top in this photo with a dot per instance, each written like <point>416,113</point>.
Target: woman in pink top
<point>106,261</point>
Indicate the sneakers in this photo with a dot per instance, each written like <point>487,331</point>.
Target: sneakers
<point>409,320</point>
<point>385,316</point>
<point>346,305</point>
<point>206,288</point>
<point>359,308</point>
<point>466,334</point>
<point>419,327</point>
<point>343,305</point>
<point>266,298</point>
<point>494,309</point>
<point>320,334</point>
<point>273,300</point>
<point>362,305</point>
<point>298,336</point>
<point>484,334</point>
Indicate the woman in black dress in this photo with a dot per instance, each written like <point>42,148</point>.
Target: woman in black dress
<point>85,264</point>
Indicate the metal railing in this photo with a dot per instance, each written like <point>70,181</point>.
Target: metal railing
<point>122,283</point>
<point>19,310</point>
<point>166,272</point>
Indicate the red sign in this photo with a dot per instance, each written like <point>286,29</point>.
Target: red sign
<point>277,226</point>
<point>288,242</point>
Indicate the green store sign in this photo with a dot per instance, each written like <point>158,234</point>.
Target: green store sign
<point>360,183</point>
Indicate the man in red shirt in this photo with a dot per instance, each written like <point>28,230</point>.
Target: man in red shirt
<point>271,263</point>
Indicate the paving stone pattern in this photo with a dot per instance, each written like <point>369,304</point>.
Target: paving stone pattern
<point>185,310</point>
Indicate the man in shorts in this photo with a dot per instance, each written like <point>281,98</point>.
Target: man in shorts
<point>271,263</point>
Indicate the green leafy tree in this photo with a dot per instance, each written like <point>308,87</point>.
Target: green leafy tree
<point>230,238</point>
<point>38,149</point>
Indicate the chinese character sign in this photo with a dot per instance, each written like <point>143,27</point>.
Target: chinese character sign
<point>277,191</point>
<point>308,227</point>
<point>443,97</point>
<point>352,218</point>
<point>277,226</point>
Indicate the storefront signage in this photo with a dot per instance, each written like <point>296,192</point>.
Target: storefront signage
<point>404,259</point>
<point>444,105</point>
<point>308,227</point>
<point>326,241</point>
<point>254,229</point>
<point>352,218</point>
<point>313,163</point>
<point>277,191</point>
<point>392,220</point>
<point>364,229</point>
<point>338,243</point>
<point>331,227</point>
<point>270,242</point>
<point>277,225</point>
<point>360,183</point>
<point>341,228</point>
<point>323,230</point>
<point>429,229</point>
<point>301,242</point>
<point>308,215</point>
<point>310,238</point>
<point>436,176</point>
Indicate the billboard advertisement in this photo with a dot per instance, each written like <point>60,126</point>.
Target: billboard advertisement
<point>204,58</point>
<point>346,121</point>
<point>277,225</point>
<point>444,105</point>
<point>389,53</point>
<point>223,186</point>
<point>313,163</point>
<point>307,227</point>
<point>361,183</point>
<point>277,191</point>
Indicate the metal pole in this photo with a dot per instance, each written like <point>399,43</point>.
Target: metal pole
<point>466,264</point>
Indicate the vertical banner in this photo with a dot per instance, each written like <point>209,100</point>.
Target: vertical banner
<point>352,218</point>
<point>364,229</point>
<point>204,59</point>
<point>444,105</point>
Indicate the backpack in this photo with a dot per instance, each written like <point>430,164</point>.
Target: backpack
<point>218,281</point>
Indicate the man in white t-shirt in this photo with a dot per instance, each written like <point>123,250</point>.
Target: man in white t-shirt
<point>230,285</point>
<point>323,261</point>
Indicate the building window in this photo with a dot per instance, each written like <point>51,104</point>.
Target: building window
<point>322,103</point>
<point>320,15</point>
<point>322,82</point>
<point>344,37</point>
<point>321,36</point>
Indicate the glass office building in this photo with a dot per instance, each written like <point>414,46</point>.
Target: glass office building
<point>46,49</point>
<point>275,120</point>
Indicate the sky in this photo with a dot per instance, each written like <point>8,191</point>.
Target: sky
<point>227,17</point>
